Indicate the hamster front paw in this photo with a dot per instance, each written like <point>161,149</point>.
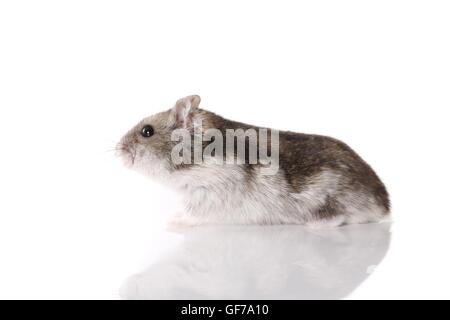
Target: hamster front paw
<point>179,222</point>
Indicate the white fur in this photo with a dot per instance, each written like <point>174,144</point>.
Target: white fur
<point>217,193</point>
<point>220,194</point>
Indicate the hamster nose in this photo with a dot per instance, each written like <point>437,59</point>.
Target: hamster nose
<point>124,147</point>
<point>127,153</point>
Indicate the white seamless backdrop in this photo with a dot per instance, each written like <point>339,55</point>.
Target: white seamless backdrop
<point>76,75</point>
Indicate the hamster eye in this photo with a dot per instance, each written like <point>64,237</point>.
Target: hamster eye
<point>147,131</point>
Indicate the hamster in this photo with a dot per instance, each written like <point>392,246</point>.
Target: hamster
<point>296,178</point>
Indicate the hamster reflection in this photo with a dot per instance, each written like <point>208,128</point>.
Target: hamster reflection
<point>269,262</point>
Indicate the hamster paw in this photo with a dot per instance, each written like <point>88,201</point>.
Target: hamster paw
<point>181,222</point>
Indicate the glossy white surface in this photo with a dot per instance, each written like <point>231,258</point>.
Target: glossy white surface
<point>274,262</point>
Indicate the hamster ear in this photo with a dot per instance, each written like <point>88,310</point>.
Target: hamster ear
<point>184,109</point>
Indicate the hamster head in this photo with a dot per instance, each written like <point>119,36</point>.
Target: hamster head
<point>147,147</point>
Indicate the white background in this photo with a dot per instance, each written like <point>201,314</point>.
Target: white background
<point>76,75</point>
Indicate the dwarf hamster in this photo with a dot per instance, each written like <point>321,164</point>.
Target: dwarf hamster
<point>234,173</point>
